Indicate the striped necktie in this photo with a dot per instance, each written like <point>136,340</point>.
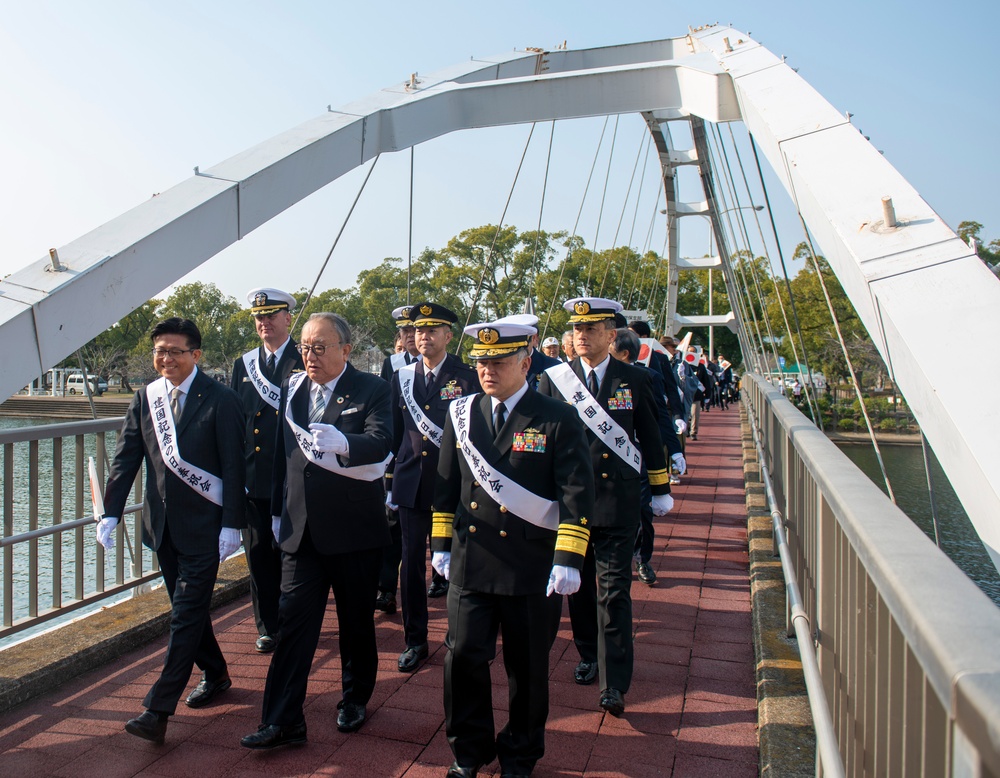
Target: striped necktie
<point>318,405</point>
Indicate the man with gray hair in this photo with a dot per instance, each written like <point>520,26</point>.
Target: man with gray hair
<point>330,455</point>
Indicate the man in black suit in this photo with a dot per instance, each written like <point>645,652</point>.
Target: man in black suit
<point>257,379</point>
<point>189,430</point>
<point>330,455</point>
<point>421,394</point>
<point>615,403</point>
<point>514,495</point>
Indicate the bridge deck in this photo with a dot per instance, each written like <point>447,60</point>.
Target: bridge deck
<point>691,711</point>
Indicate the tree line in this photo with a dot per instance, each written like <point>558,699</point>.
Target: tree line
<point>485,272</point>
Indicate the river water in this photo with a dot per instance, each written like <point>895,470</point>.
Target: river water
<point>904,465</point>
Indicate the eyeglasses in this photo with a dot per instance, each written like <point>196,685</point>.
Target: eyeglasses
<point>319,349</point>
<point>173,353</point>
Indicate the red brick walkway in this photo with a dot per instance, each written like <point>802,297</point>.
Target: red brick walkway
<point>691,711</point>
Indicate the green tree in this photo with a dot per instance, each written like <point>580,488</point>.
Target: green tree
<point>227,329</point>
<point>989,251</point>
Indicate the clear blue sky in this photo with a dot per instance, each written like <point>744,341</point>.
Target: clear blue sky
<point>105,102</point>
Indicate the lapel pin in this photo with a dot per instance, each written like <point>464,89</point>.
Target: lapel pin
<point>340,401</point>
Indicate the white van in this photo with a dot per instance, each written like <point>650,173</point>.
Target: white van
<point>74,385</point>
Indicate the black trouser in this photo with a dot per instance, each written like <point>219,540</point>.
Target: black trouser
<point>190,579</point>
<point>474,619</point>
<point>644,539</point>
<point>601,612</point>
<point>306,580</point>
<point>415,524</point>
<point>264,562</point>
<point>388,577</point>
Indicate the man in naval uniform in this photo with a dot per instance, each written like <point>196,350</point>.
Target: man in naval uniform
<point>514,496</point>
<point>257,379</point>
<point>616,405</point>
<point>388,577</point>
<point>421,394</point>
<point>407,336</point>
<point>189,430</point>
<point>329,459</point>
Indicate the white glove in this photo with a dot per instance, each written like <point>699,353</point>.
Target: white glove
<point>106,531</point>
<point>680,426</point>
<point>328,439</point>
<point>389,503</point>
<point>680,463</point>
<point>563,580</point>
<point>275,527</point>
<point>441,562</point>
<point>229,541</point>
<point>662,503</point>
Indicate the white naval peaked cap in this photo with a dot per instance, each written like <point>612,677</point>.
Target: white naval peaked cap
<point>266,300</point>
<point>591,309</point>
<point>527,319</point>
<point>497,339</point>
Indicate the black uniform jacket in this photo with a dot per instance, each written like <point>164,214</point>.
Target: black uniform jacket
<point>343,514</point>
<point>661,363</point>
<point>411,476</point>
<point>616,481</point>
<point>262,418</point>
<point>666,425</point>
<point>209,436</point>
<point>539,363</point>
<point>493,550</point>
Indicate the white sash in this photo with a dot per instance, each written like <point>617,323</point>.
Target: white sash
<point>324,459</point>
<point>594,416</point>
<point>268,392</point>
<point>204,483</point>
<point>397,361</point>
<point>407,374</point>
<point>518,500</point>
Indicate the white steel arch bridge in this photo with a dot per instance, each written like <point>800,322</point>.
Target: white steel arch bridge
<point>909,277</point>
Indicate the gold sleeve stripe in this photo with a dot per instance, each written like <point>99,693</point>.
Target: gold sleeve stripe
<point>658,477</point>
<point>572,539</point>
<point>441,524</point>
<point>388,475</point>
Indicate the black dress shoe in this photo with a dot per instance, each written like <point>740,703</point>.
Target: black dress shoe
<point>412,657</point>
<point>585,673</point>
<point>457,771</point>
<point>351,717</point>
<point>265,644</point>
<point>645,572</point>
<point>272,736</point>
<point>437,589</point>
<point>613,701</point>
<point>206,691</point>
<point>148,725</point>
<point>386,602</point>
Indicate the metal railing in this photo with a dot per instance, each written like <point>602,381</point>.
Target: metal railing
<point>907,646</point>
<point>50,567</point>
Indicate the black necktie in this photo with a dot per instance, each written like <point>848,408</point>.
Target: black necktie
<point>592,383</point>
<point>501,417</point>
<point>270,365</point>
<point>429,385</point>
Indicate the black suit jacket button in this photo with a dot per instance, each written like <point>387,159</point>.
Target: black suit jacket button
<point>427,407</point>
<point>256,432</point>
<point>604,475</point>
<point>423,437</point>
<point>604,455</point>
<point>258,413</point>
<point>503,533</point>
<point>257,448</point>
<point>503,509</point>
<point>472,528</point>
<point>473,505</point>
<point>423,453</point>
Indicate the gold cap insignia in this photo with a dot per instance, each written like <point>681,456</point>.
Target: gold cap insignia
<point>405,313</point>
<point>582,307</point>
<point>426,310</point>
<point>259,299</point>
<point>488,335</point>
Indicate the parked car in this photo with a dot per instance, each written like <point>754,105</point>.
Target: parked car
<point>74,384</point>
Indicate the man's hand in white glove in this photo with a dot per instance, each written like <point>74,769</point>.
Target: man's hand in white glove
<point>275,527</point>
<point>563,580</point>
<point>389,503</point>
<point>229,541</point>
<point>441,562</point>
<point>106,531</point>
<point>662,503</point>
<point>680,426</point>
<point>680,463</point>
<point>328,439</point>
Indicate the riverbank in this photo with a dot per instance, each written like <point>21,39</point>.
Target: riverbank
<point>106,406</point>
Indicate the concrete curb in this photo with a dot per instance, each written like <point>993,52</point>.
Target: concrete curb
<point>42,664</point>
<point>787,737</point>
